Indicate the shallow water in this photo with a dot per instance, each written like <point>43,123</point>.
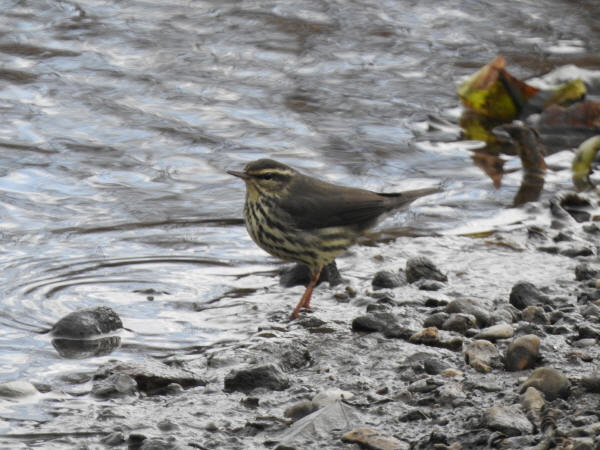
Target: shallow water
<point>119,120</point>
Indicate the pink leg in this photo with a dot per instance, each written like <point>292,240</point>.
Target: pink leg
<point>305,299</point>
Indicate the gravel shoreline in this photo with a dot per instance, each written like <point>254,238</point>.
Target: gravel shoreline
<point>417,356</point>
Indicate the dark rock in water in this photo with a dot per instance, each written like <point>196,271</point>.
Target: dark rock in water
<point>535,314</point>
<point>459,322</point>
<point>469,306</point>
<point>421,267</point>
<point>429,285</point>
<point>115,385</point>
<point>524,294</point>
<point>588,295</point>
<point>551,382</point>
<point>388,280</point>
<point>591,383</point>
<point>151,376</point>
<point>267,376</point>
<point>85,348</point>
<point>522,353</point>
<point>87,323</point>
<point>509,420</point>
<point>299,275</point>
<point>378,321</point>
<point>383,322</point>
<point>436,320</point>
<point>573,252</point>
<point>584,272</point>
<point>505,313</point>
<point>588,331</point>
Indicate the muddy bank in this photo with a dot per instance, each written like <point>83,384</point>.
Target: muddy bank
<point>502,353</point>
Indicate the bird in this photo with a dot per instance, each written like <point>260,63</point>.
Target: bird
<point>302,219</point>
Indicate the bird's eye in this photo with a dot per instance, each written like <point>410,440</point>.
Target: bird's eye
<point>267,176</point>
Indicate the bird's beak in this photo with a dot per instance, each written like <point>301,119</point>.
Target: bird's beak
<point>241,175</point>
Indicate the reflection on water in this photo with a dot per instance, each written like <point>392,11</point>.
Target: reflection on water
<point>119,120</point>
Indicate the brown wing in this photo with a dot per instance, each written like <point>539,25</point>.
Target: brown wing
<point>317,204</point>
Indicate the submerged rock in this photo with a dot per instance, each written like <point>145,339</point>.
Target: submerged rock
<point>268,376</point>
<point>551,382</point>
<point>524,294</point>
<point>151,376</point>
<point>388,280</point>
<point>87,323</point>
<point>423,268</point>
<point>115,385</point>
<point>584,272</point>
<point>469,306</point>
<point>459,322</point>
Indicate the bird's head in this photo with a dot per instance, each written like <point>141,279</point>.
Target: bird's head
<point>266,177</point>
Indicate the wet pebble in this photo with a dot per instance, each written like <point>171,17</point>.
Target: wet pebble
<point>509,420</point>
<point>371,439</point>
<point>524,294</point>
<point>522,353</point>
<point>388,280</point>
<point>584,272</point>
<point>429,285</point>
<point>301,409</point>
<point>532,400</point>
<point>459,322</point>
<point>551,382</point>
<point>17,389</point>
<point>469,306</point>
<point>451,394</point>
<point>267,376</point>
<point>495,332</point>
<point>115,385</point>
<point>591,383</point>
<point>482,355</point>
<point>377,321</point>
<point>113,439</point>
<point>151,376</point>
<point>421,267</point>
<point>167,425</point>
<point>436,320</point>
<point>575,251</point>
<point>431,336</point>
<point>535,314</point>
<point>87,323</point>
<point>588,331</point>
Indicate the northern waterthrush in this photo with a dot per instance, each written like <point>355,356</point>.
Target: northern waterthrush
<point>302,219</point>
